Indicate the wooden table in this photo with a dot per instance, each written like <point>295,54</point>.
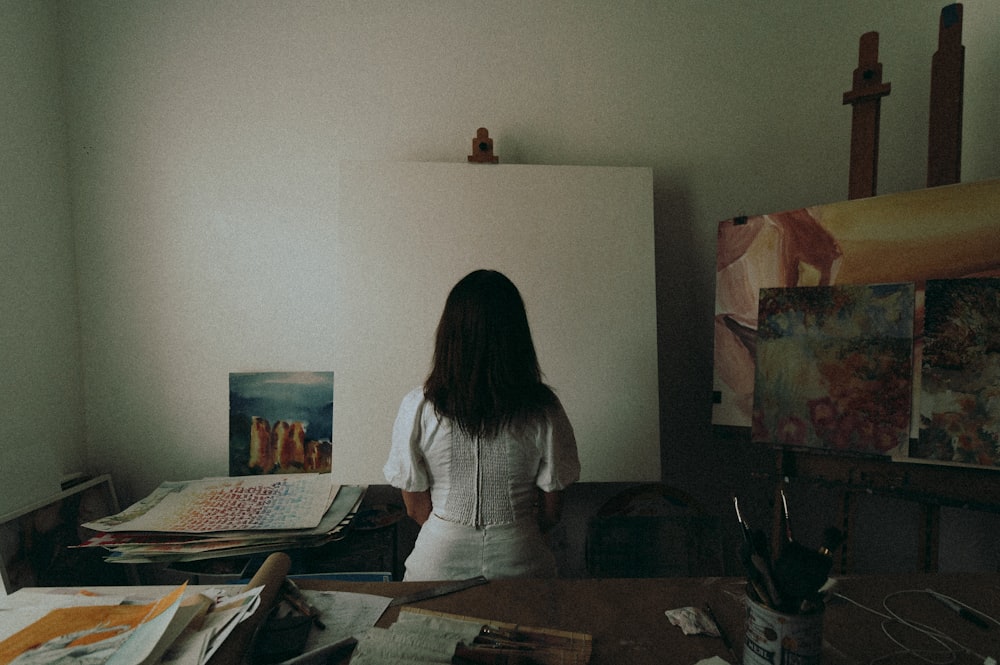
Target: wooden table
<point>626,617</point>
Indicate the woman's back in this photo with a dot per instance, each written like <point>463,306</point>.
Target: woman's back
<point>475,448</point>
<point>484,491</point>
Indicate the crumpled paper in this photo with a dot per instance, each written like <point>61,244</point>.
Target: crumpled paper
<point>693,621</point>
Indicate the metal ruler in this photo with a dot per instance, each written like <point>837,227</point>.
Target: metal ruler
<point>440,590</point>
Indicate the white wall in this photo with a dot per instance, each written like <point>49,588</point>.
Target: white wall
<point>205,140</point>
<point>41,407</point>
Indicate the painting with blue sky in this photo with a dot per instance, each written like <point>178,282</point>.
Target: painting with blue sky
<point>280,422</point>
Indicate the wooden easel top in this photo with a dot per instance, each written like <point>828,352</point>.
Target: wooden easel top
<point>930,485</point>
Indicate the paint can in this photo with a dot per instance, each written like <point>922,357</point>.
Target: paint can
<point>777,638</point>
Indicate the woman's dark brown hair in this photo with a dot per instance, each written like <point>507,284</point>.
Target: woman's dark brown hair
<point>485,374</point>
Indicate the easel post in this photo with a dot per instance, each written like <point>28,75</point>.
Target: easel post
<point>944,142</point>
<point>866,98</point>
<point>944,167</point>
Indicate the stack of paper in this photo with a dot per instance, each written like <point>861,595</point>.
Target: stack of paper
<point>221,517</point>
<point>179,627</point>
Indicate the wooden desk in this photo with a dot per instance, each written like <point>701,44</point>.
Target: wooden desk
<point>626,617</point>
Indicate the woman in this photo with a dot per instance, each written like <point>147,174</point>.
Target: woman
<point>484,449</point>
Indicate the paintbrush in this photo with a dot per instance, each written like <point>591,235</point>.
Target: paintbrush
<point>800,571</point>
<point>756,559</point>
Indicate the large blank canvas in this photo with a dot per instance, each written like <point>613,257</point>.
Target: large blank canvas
<point>578,243</point>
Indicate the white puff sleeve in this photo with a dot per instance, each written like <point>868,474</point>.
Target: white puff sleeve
<point>406,468</point>
<point>560,464</point>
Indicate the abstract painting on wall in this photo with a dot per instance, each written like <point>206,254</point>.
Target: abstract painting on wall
<point>280,422</point>
<point>834,367</point>
<point>938,233</point>
<point>960,373</point>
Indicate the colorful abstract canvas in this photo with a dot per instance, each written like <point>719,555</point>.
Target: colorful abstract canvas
<point>960,373</point>
<point>280,422</point>
<point>937,233</point>
<point>834,367</point>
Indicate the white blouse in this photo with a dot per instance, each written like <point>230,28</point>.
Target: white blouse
<point>480,482</point>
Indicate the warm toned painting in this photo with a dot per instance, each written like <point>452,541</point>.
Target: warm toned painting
<point>834,367</point>
<point>280,422</point>
<point>960,377</point>
<point>938,233</point>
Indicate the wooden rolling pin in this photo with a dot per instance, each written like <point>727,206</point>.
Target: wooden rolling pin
<point>271,576</point>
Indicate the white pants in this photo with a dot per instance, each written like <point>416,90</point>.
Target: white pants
<point>449,551</point>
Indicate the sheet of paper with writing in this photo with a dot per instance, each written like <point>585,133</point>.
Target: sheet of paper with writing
<point>291,501</point>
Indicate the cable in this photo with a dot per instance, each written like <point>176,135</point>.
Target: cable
<point>949,646</point>
<point>892,617</point>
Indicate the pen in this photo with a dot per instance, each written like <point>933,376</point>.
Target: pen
<point>722,633</point>
<point>294,596</point>
<point>962,611</point>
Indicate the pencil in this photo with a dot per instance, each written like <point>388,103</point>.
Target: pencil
<point>294,596</point>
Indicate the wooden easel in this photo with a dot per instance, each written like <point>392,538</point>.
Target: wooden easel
<point>944,146</point>
<point>866,97</point>
<point>928,485</point>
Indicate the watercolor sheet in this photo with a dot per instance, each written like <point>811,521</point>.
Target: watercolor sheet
<point>295,501</point>
<point>280,422</point>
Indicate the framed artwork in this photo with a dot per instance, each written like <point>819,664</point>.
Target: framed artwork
<point>834,367</point>
<point>280,422</point>
<point>930,234</point>
<point>960,374</point>
<point>39,544</point>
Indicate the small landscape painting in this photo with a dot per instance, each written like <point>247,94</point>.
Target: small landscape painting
<point>280,422</point>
